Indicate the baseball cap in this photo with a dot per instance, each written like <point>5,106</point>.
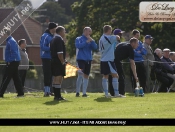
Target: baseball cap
<point>166,49</point>
<point>52,25</point>
<point>148,37</point>
<point>116,31</point>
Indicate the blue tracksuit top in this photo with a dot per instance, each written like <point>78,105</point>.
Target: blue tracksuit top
<point>84,49</point>
<point>45,45</point>
<point>12,51</point>
<point>138,56</point>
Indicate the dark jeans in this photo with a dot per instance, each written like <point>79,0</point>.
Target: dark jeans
<point>140,69</point>
<point>11,72</point>
<point>166,82</point>
<point>22,74</point>
<point>47,72</point>
<point>121,79</point>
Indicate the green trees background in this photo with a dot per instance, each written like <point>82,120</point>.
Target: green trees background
<point>123,14</point>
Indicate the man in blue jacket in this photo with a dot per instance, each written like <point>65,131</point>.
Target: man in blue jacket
<point>84,45</point>
<point>12,59</point>
<point>140,69</point>
<point>46,57</point>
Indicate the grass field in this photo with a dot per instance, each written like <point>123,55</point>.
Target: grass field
<point>34,105</point>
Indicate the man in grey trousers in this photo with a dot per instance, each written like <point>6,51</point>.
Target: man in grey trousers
<point>24,63</point>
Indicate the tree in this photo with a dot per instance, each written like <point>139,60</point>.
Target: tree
<point>55,13</point>
<point>122,14</point>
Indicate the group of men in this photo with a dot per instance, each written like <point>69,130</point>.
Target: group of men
<point>113,51</point>
<point>15,55</point>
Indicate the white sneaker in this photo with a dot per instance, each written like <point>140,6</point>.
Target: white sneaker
<point>119,96</point>
<point>108,96</point>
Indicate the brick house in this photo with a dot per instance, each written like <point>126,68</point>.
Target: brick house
<point>31,30</point>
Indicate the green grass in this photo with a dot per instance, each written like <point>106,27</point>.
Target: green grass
<point>34,105</point>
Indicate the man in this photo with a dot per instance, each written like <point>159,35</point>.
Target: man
<point>46,57</point>
<point>172,56</point>
<point>167,66</point>
<point>149,57</point>
<point>107,44</point>
<point>84,45</point>
<point>58,54</point>
<point>12,59</point>
<point>118,33</point>
<point>138,58</point>
<point>161,75</point>
<point>24,63</point>
<point>124,51</point>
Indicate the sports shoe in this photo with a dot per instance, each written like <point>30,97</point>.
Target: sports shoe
<point>108,96</point>
<point>46,95</point>
<point>119,96</point>
<point>1,96</point>
<point>77,95</point>
<point>85,95</point>
<point>61,99</point>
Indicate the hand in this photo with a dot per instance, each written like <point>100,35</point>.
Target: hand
<point>118,37</point>
<point>136,78</point>
<point>89,39</point>
<point>139,52</point>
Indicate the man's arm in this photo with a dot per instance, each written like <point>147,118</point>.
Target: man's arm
<point>43,43</point>
<point>133,67</point>
<point>60,56</point>
<point>79,43</point>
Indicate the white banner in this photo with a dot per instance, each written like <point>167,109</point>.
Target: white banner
<point>157,11</point>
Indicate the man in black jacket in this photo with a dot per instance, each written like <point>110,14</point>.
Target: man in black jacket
<point>161,75</point>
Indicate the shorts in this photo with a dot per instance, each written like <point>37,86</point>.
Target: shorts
<point>57,68</point>
<point>85,66</point>
<point>107,67</point>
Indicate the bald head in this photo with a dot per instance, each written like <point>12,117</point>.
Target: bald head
<point>172,56</point>
<point>158,52</point>
<point>87,31</point>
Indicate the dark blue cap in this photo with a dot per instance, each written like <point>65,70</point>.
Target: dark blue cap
<point>117,31</point>
<point>148,37</point>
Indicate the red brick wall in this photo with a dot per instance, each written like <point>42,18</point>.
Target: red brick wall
<point>34,55</point>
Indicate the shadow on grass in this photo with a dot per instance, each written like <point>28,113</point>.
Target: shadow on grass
<point>103,99</point>
<point>56,102</point>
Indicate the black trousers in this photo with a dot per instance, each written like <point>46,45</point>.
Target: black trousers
<point>11,72</point>
<point>166,82</point>
<point>47,72</point>
<point>121,79</point>
<point>141,74</point>
<point>22,74</point>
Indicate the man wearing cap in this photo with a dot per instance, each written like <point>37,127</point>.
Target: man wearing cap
<point>167,66</point>
<point>46,56</point>
<point>138,58</point>
<point>149,57</point>
<point>118,33</point>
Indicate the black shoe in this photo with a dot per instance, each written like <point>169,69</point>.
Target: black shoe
<point>77,95</point>
<point>1,96</point>
<point>56,99</point>
<point>19,96</point>
<point>85,95</point>
<point>46,95</point>
<point>61,99</point>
